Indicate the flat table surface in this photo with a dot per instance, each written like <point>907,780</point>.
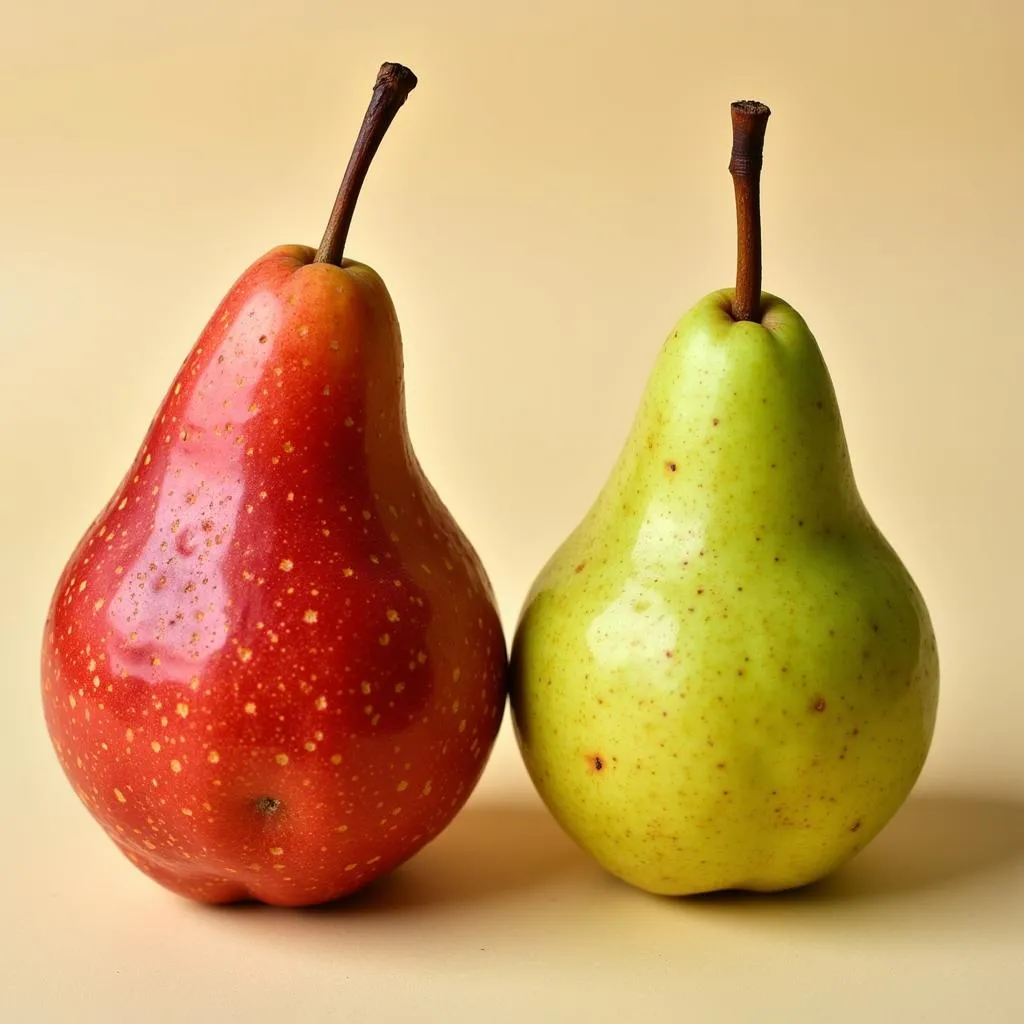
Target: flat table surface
<point>551,199</point>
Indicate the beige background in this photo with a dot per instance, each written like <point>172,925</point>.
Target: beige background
<point>552,198</point>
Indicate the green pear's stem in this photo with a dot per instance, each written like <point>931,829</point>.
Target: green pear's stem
<point>749,120</point>
<point>393,85</point>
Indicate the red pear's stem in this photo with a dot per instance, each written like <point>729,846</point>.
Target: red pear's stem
<point>393,85</point>
<point>749,120</point>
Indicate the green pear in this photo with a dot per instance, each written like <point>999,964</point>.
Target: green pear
<point>725,678</point>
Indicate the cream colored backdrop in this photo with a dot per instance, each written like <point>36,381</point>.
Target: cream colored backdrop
<point>552,197</point>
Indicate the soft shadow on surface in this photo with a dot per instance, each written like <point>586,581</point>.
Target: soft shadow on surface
<point>936,841</point>
<point>490,850</point>
<point>933,842</point>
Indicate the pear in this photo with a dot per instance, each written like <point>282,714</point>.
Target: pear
<point>273,668</point>
<point>725,678</point>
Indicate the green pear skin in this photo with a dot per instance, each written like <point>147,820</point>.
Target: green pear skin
<point>725,678</point>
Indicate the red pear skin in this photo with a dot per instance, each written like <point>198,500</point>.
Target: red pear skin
<point>273,668</point>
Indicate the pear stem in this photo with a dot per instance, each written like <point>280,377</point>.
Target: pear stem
<point>749,120</point>
<point>393,85</point>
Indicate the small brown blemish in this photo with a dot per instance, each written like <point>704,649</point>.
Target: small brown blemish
<point>818,704</point>
<point>581,566</point>
<point>671,466</point>
<point>596,762</point>
<point>855,826</point>
<point>267,806</point>
<point>714,422</point>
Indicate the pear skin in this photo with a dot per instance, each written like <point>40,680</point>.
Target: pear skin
<point>725,678</point>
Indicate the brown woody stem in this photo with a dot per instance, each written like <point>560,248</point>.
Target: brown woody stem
<point>749,120</point>
<point>393,85</point>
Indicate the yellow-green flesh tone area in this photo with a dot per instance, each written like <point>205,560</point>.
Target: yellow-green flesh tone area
<point>725,677</point>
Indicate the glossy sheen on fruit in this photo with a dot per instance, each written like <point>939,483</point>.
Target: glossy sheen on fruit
<point>725,678</point>
<point>273,666</point>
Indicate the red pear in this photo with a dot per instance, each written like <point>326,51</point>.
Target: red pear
<point>273,668</point>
